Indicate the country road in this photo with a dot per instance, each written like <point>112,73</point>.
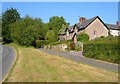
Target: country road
<point>6,60</point>
<point>82,59</point>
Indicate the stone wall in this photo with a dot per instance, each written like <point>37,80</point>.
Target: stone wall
<point>60,47</point>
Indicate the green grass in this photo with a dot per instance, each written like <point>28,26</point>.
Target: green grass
<point>33,65</point>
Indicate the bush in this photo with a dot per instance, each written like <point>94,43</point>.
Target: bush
<point>83,37</point>
<point>78,45</point>
<point>106,49</point>
<point>1,39</point>
<point>102,37</point>
<point>72,46</point>
<point>41,43</point>
<point>61,42</point>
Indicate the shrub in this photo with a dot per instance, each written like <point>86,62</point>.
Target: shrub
<point>72,46</point>
<point>41,43</point>
<point>102,37</point>
<point>78,45</point>
<point>106,49</point>
<point>61,42</point>
<point>83,37</point>
<point>1,39</point>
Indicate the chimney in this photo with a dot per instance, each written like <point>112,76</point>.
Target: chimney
<point>81,20</point>
<point>117,23</point>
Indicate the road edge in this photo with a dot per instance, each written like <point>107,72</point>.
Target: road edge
<point>12,65</point>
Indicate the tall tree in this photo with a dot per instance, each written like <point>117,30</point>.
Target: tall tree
<point>9,16</point>
<point>26,31</point>
<point>55,24</point>
<point>50,36</point>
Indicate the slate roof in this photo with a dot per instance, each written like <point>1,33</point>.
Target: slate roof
<point>112,26</point>
<point>86,23</point>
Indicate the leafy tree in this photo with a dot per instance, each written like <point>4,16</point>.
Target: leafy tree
<point>9,16</point>
<point>26,31</point>
<point>83,37</point>
<point>43,31</point>
<point>55,24</point>
<point>50,36</point>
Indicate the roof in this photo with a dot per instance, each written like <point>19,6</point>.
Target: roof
<point>83,25</point>
<point>86,22</point>
<point>112,26</point>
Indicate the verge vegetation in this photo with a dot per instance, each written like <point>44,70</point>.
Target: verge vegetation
<point>106,49</point>
<point>36,66</point>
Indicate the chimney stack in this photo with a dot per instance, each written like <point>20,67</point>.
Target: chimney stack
<point>81,20</point>
<point>117,23</point>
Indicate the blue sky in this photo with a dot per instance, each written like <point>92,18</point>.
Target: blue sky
<point>71,11</point>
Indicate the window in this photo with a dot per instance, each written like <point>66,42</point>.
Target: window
<point>118,33</point>
<point>94,32</point>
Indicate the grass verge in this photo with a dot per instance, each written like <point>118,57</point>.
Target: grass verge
<point>33,65</point>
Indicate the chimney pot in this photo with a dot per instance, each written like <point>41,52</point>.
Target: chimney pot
<point>82,19</point>
<point>117,23</point>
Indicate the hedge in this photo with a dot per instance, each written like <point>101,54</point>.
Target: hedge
<point>41,43</point>
<point>103,51</point>
<point>83,37</point>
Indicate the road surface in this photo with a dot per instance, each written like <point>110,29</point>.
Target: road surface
<point>6,59</point>
<point>82,59</point>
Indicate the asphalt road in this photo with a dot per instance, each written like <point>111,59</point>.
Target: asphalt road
<point>8,55</point>
<point>82,59</point>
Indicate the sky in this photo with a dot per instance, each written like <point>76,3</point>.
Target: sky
<point>71,11</point>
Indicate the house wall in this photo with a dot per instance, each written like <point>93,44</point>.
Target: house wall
<point>96,29</point>
<point>115,32</point>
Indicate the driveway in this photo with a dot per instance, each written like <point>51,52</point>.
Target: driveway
<point>7,56</point>
<point>78,57</point>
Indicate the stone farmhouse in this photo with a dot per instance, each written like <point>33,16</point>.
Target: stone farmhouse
<point>94,27</point>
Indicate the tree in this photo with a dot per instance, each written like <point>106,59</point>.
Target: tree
<point>55,24</point>
<point>50,36</point>
<point>26,31</point>
<point>9,16</point>
<point>83,37</point>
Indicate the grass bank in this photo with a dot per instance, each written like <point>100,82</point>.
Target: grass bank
<point>36,66</point>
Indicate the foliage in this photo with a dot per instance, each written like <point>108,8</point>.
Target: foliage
<point>83,37</point>
<point>60,42</point>
<point>102,37</point>
<point>50,36</point>
<point>55,24</point>
<point>1,39</point>
<point>78,45</point>
<point>72,46</point>
<point>106,49</point>
<point>40,43</point>
<point>26,31</point>
<point>9,16</point>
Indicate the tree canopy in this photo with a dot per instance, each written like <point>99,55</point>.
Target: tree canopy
<point>56,23</point>
<point>9,16</point>
<point>25,31</point>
